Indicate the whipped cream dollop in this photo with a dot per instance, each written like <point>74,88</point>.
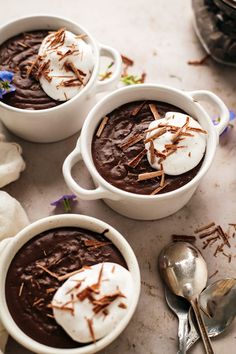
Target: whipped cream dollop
<point>175,143</point>
<point>66,62</point>
<point>92,302</point>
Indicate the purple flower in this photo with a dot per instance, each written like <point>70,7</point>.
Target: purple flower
<point>6,78</point>
<point>232,116</point>
<point>65,201</point>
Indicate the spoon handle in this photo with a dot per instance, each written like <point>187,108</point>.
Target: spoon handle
<point>183,333</point>
<point>202,327</point>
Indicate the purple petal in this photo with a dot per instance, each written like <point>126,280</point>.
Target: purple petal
<point>61,199</point>
<point>232,115</point>
<point>6,75</point>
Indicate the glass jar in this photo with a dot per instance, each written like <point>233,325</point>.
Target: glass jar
<point>215,25</point>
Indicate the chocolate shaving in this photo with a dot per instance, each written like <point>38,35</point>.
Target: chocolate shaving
<point>137,159</point>
<point>95,243</point>
<point>81,36</point>
<point>212,275</point>
<point>200,229</point>
<point>149,175</point>
<point>38,301</point>
<point>137,109</point>
<point>57,39</point>
<point>50,290</point>
<point>154,111</point>
<point>62,308</point>
<point>180,131</point>
<point>156,135</point>
<point>197,130</point>
<point>199,62</point>
<point>152,152</point>
<point>183,238</point>
<point>102,126</point>
<point>54,275</point>
<point>208,233</point>
<point>223,235</point>
<point>122,305</point>
<point>72,67</point>
<point>131,141</point>
<point>24,45</point>
<point>158,189</point>
<point>126,60</point>
<point>21,289</point>
<point>105,301</point>
<point>113,269</point>
<point>91,330</point>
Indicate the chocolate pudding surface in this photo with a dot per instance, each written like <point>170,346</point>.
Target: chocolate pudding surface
<point>112,160</point>
<point>16,55</point>
<point>30,289</point>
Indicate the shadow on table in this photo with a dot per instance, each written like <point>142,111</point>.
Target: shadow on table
<point>13,347</point>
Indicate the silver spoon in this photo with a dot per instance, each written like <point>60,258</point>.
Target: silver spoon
<point>185,272</point>
<point>181,308</point>
<point>220,299</point>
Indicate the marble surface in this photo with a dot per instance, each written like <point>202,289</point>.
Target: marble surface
<point>159,36</point>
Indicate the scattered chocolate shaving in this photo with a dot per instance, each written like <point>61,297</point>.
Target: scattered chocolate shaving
<point>223,235</point>
<point>212,275</point>
<point>95,243</point>
<point>91,330</point>
<point>156,135</point>
<point>149,175</point>
<point>49,315</point>
<point>131,141</point>
<point>105,301</point>
<point>102,126</point>
<point>113,269</point>
<point>62,308</point>
<point>24,45</point>
<point>50,290</point>
<point>126,60</point>
<point>158,189</point>
<point>137,159</point>
<point>137,109</point>
<point>122,305</point>
<point>208,233</point>
<point>105,312</point>
<point>180,131</point>
<point>143,77</point>
<point>21,289</point>
<point>38,301</point>
<point>72,67</point>
<point>183,238</point>
<point>54,275</point>
<point>81,36</point>
<point>105,76</point>
<point>154,111</point>
<point>57,39</point>
<point>200,61</point>
<point>197,130</point>
<point>68,275</point>
<point>152,152</point>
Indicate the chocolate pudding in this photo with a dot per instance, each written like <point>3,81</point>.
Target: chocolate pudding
<point>17,55</point>
<point>32,278</point>
<point>118,149</point>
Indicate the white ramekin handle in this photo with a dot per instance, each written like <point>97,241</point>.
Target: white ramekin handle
<point>3,244</point>
<point>112,82</point>
<point>99,193</point>
<point>210,97</point>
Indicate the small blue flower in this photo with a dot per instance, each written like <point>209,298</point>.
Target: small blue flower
<point>6,78</point>
<point>65,201</point>
<point>232,116</point>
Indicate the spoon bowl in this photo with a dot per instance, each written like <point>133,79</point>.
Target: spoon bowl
<point>219,299</point>
<point>185,272</point>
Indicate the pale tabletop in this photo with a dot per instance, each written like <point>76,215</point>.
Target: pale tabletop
<point>158,35</point>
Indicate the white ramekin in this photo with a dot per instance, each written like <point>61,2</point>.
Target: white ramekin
<point>53,124</point>
<point>9,247</point>
<point>144,207</point>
